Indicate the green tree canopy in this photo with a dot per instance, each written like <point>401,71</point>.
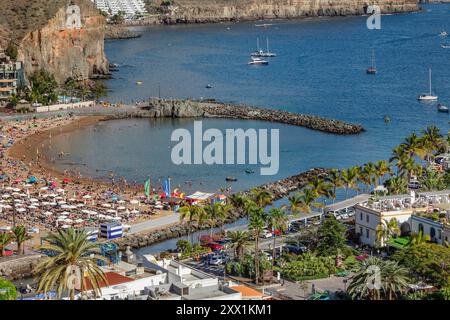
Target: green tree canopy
<point>331,237</point>
<point>7,290</point>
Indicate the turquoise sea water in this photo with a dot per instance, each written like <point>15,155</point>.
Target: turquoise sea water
<point>320,69</point>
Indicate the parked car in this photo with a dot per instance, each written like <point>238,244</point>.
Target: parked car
<point>215,260</point>
<point>265,234</point>
<point>295,249</point>
<point>214,246</point>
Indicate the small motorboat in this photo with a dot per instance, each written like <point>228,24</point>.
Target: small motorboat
<point>258,61</point>
<point>139,82</point>
<point>443,34</point>
<point>445,46</point>
<point>249,171</point>
<point>208,86</point>
<point>442,108</point>
<point>232,179</point>
<point>387,119</point>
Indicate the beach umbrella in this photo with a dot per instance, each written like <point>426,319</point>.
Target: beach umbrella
<point>32,207</point>
<point>43,188</point>
<point>60,190</point>
<point>111,211</point>
<point>28,185</point>
<point>48,213</point>
<point>121,208</point>
<point>22,195</point>
<point>16,189</point>
<point>6,196</point>
<point>79,220</point>
<point>21,210</point>
<point>121,201</point>
<point>106,205</point>
<point>79,205</point>
<point>117,218</point>
<point>65,226</point>
<point>72,199</point>
<point>34,200</point>
<point>135,211</point>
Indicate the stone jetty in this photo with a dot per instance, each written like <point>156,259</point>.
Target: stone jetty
<point>279,189</point>
<point>211,109</point>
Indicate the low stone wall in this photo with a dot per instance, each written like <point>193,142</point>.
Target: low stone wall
<point>65,106</point>
<point>18,267</point>
<point>279,189</point>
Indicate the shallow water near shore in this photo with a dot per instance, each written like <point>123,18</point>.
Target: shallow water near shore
<point>320,70</point>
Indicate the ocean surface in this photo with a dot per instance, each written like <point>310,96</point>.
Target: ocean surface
<point>320,69</point>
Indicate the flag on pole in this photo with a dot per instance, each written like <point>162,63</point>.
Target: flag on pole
<point>166,187</point>
<point>147,188</point>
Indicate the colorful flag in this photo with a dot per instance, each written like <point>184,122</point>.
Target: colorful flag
<point>147,188</point>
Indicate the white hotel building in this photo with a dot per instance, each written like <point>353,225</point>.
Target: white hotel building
<point>411,212</point>
<point>131,8</point>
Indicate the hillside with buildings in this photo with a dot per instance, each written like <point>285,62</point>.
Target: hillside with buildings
<point>64,37</point>
<point>198,11</point>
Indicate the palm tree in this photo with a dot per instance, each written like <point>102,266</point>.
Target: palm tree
<point>216,213</point>
<point>307,200</point>
<point>413,145</point>
<point>237,200</point>
<point>202,219</point>
<point>382,233</point>
<point>321,188</point>
<point>20,236</point>
<point>433,141</point>
<point>257,222</point>
<point>395,279</point>
<point>335,179</point>
<point>382,169</point>
<point>393,228</point>
<point>277,220</point>
<point>396,185</point>
<point>418,239</point>
<point>295,202</point>
<point>238,241</point>
<point>432,180</point>
<point>350,178</point>
<point>72,259</point>
<point>261,197</point>
<point>5,239</point>
<point>369,174</point>
<point>190,213</point>
<point>366,282</point>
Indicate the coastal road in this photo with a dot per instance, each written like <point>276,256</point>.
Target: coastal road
<point>155,224</point>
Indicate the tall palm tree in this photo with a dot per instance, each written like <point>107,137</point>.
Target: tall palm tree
<point>396,185</point>
<point>216,213</point>
<point>382,169</point>
<point>20,236</point>
<point>277,220</point>
<point>257,222</point>
<point>189,212</point>
<point>261,197</point>
<point>307,200</point>
<point>395,279</point>
<point>433,140</point>
<point>366,282</point>
<point>71,256</point>
<point>350,178</point>
<point>382,233</point>
<point>335,179</point>
<point>399,156</point>
<point>202,219</point>
<point>5,239</point>
<point>432,180</point>
<point>295,202</point>
<point>369,174</point>
<point>413,145</point>
<point>238,241</point>
<point>321,188</point>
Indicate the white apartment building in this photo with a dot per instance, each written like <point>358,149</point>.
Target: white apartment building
<point>131,8</point>
<point>410,211</point>
<point>161,280</point>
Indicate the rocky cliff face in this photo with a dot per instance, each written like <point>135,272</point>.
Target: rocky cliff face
<point>195,11</point>
<point>66,37</point>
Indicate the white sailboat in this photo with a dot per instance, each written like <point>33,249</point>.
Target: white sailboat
<point>429,96</point>
<point>260,53</point>
<point>372,69</point>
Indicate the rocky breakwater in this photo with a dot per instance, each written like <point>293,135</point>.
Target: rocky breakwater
<point>120,33</point>
<point>18,267</point>
<point>64,37</point>
<point>279,189</point>
<point>203,11</point>
<point>188,108</point>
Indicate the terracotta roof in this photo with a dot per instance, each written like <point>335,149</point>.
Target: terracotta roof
<point>248,292</point>
<point>112,278</point>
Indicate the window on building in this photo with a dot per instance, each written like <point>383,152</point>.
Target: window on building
<point>421,228</point>
<point>360,216</point>
<point>360,230</point>
<point>367,218</point>
<point>367,233</point>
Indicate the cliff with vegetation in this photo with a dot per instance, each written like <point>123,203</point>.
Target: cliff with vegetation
<point>65,37</point>
<point>199,11</point>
